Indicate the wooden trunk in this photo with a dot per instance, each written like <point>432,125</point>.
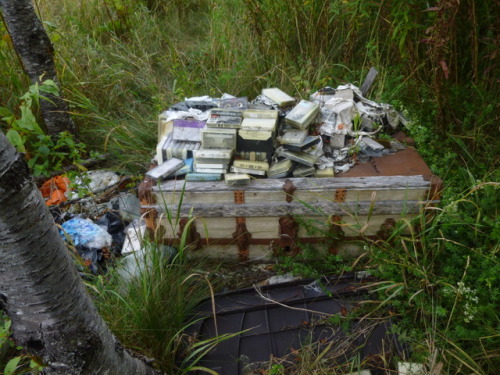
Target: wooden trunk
<point>282,216</point>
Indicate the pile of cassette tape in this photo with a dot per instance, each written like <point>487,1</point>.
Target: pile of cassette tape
<point>273,136</point>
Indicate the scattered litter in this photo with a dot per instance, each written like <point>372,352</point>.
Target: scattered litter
<point>91,241</point>
<point>166,169</point>
<point>275,95</point>
<point>93,182</point>
<point>236,179</point>
<point>278,279</point>
<point>115,226</point>
<point>89,208</point>
<point>134,235</point>
<point>410,368</point>
<point>141,261</point>
<point>86,233</point>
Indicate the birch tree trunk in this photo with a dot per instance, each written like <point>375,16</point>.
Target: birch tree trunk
<point>35,50</point>
<point>52,315</point>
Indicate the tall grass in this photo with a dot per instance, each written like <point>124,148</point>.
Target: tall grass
<point>444,281</point>
<point>148,309</point>
<point>122,62</point>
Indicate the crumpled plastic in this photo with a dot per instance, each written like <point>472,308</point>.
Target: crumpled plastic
<point>93,181</point>
<point>197,114</point>
<point>115,226</point>
<point>86,233</point>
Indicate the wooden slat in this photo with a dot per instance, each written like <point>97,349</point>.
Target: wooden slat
<point>304,183</point>
<point>308,189</point>
<point>193,198</point>
<point>263,228</point>
<point>370,77</point>
<point>324,207</point>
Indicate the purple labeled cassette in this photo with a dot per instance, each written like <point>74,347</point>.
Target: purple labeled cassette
<point>188,130</point>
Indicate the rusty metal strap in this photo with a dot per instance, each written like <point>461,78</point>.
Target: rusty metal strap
<point>239,196</point>
<point>340,195</point>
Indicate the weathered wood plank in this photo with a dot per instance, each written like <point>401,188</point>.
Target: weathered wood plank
<point>267,228</point>
<point>370,77</point>
<point>305,183</point>
<point>193,198</point>
<point>298,208</point>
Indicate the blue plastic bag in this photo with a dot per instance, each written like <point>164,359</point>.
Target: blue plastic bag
<point>83,232</point>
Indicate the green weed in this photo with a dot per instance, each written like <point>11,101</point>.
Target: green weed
<point>446,278</point>
<point>45,154</point>
<point>148,309</point>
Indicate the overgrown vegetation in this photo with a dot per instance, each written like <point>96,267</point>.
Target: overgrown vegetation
<point>147,303</point>
<point>45,154</point>
<point>442,280</point>
<point>121,62</point>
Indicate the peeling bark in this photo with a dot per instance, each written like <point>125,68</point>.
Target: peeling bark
<point>52,315</point>
<point>35,51</point>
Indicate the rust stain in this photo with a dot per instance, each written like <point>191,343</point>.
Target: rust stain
<point>340,195</point>
<point>289,188</point>
<point>406,162</point>
<point>239,196</point>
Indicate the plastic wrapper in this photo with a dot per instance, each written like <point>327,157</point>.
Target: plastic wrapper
<point>86,233</point>
<point>115,226</point>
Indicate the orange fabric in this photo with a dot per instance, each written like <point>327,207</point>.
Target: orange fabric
<point>61,182</point>
<point>55,189</point>
<point>57,197</point>
<point>46,188</point>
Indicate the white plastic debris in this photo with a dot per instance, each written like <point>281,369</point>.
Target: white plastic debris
<point>410,368</point>
<point>94,182</point>
<point>344,92</point>
<point>227,96</point>
<point>345,111</point>
<point>374,145</point>
<point>86,233</point>
<point>134,237</point>
<point>343,168</point>
<point>204,98</point>
<point>133,250</point>
<point>360,372</point>
<point>170,115</point>
<point>141,262</point>
<point>277,279</point>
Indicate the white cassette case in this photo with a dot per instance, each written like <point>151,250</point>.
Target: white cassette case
<point>259,124</point>
<point>165,169</point>
<point>253,165</point>
<point>279,97</point>
<point>219,138</point>
<point>214,154</point>
<point>303,114</point>
<point>260,113</point>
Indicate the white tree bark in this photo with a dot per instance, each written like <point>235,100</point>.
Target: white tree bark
<point>52,315</point>
<point>35,50</point>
